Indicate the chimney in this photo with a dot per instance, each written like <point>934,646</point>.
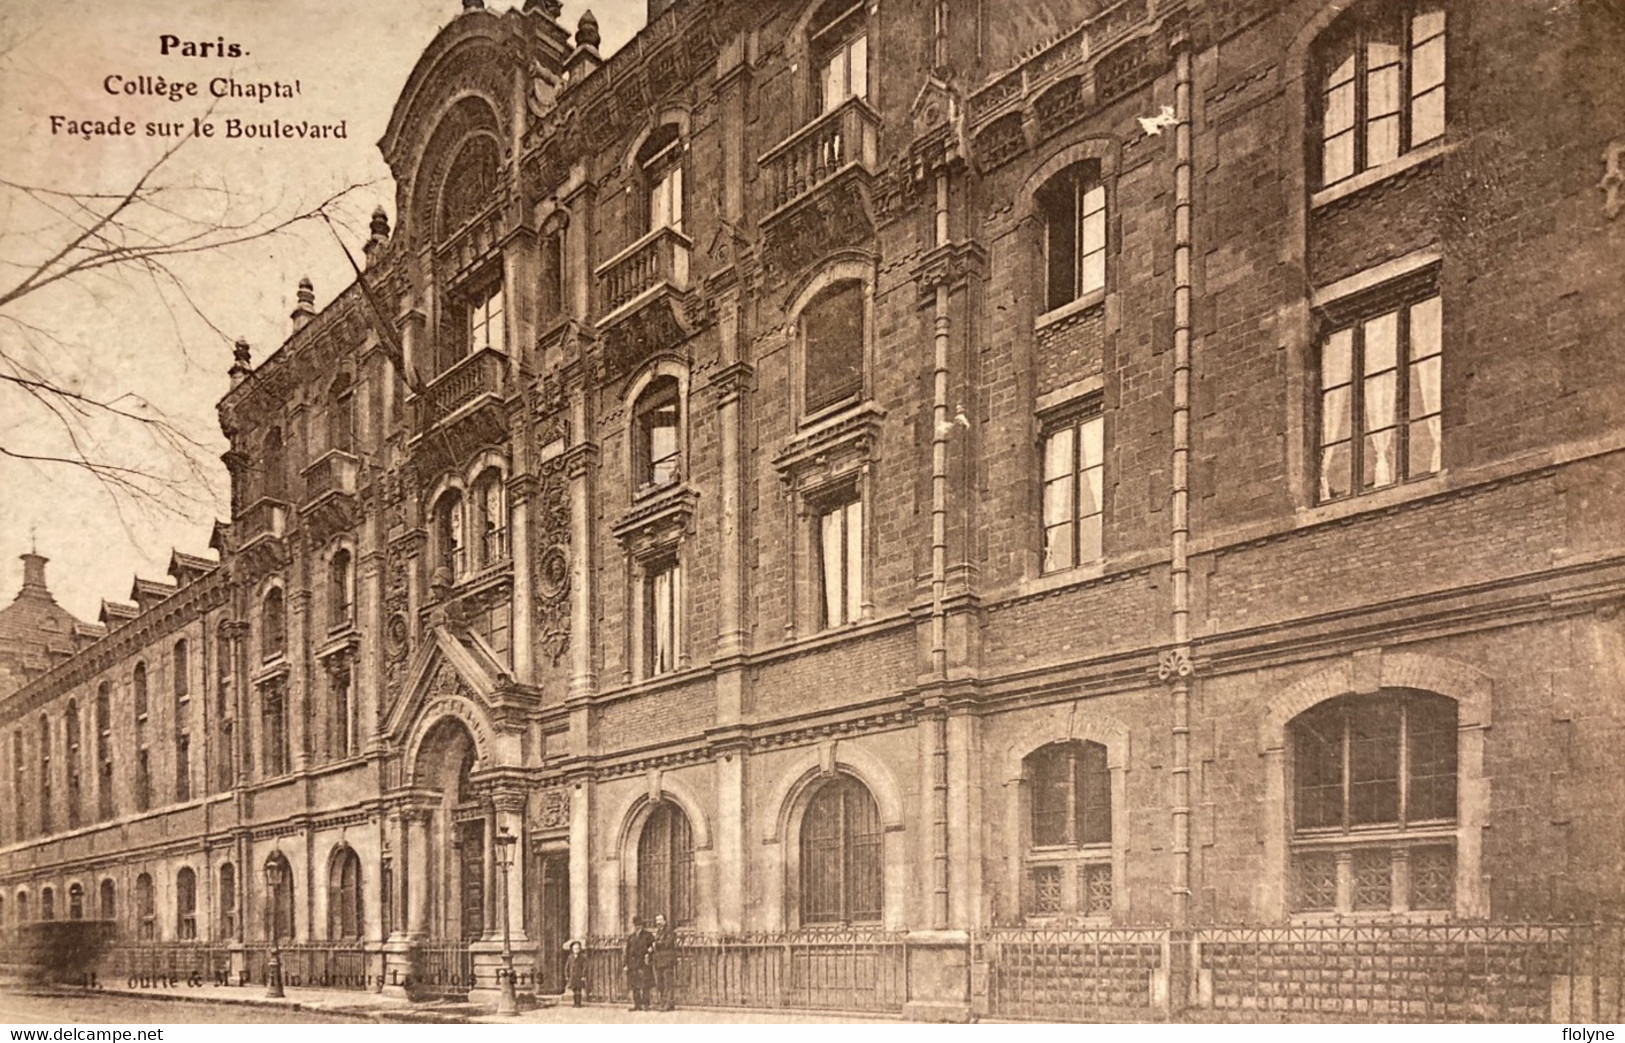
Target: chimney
<point>34,574</point>
<point>305,309</point>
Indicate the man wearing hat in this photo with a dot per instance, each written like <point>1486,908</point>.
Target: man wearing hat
<point>663,961</point>
<point>638,944</point>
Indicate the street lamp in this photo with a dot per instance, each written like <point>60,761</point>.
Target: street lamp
<point>507,1002</point>
<point>273,916</point>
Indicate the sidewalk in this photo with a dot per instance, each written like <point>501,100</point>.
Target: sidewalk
<point>394,1009</point>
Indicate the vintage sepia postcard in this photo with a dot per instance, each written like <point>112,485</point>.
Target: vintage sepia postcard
<point>799,511</point>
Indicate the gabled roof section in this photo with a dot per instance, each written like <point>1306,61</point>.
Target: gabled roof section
<point>148,592</point>
<point>483,679</point>
<point>116,613</point>
<point>185,568</point>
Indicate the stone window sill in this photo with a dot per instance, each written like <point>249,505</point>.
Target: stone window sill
<point>1089,300</point>
<point>1366,178</point>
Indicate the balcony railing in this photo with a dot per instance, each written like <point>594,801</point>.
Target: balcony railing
<point>481,373</point>
<point>814,154</point>
<point>264,518</point>
<point>659,258</point>
<point>332,474</point>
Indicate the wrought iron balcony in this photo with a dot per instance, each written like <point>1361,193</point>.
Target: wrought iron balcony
<point>845,138</point>
<point>657,261</point>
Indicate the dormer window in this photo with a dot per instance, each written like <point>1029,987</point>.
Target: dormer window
<point>661,161</point>
<point>840,47</point>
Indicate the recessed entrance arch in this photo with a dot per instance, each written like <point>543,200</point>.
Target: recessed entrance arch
<point>458,862</point>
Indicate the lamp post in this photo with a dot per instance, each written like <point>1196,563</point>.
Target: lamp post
<point>507,1002</point>
<point>273,916</point>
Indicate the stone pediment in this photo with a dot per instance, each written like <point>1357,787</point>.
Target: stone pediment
<point>454,672</point>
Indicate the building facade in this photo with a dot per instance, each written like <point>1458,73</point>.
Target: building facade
<point>912,487</point>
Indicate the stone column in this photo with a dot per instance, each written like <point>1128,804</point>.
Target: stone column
<point>303,683</point>
<point>580,463</point>
<point>581,858</point>
<point>417,873</point>
<point>521,491</point>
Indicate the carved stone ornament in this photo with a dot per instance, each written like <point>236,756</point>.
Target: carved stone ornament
<point>550,584</point>
<point>1613,179</point>
<point>553,810</point>
<point>834,217</point>
<point>1173,663</point>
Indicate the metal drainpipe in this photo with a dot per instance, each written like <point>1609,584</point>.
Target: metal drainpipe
<point>1177,666</point>
<point>939,567</point>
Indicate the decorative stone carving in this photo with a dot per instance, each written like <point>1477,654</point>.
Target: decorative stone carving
<point>550,582</point>
<point>834,217</point>
<point>1613,179</point>
<point>1173,663</point>
<point>553,810</point>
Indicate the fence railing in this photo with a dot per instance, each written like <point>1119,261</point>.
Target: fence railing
<point>1342,971</point>
<point>153,961</point>
<point>659,258</point>
<point>849,971</point>
<point>1068,974</point>
<point>317,965</point>
<point>444,966</point>
<point>823,148</point>
<point>481,373</point>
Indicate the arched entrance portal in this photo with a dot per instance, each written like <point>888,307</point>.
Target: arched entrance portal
<point>458,860</point>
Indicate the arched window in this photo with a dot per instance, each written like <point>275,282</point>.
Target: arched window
<point>280,922</point>
<point>341,414</point>
<point>658,416</point>
<point>76,902</point>
<point>107,906</point>
<point>146,910</point>
<point>45,823</point>
<point>344,914</point>
<point>832,347</point>
<point>273,624</point>
<point>47,904</point>
<point>104,751</point>
<point>340,588</point>
<point>143,759</point>
<point>660,159</point>
<point>228,902</point>
<point>841,854</point>
<point>273,461</point>
<point>186,905</point>
<point>1069,861</point>
<point>1381,77</point>
<point>839,39</point>
<point>666,865</point>
<point>1072,206</point>
<point>1374,799</point>
<point>22,906</point>
<point>182,672</point>
<point>73,739</point>
<point>490,501</point>
<point>448,533</point>
<point>471,183</point>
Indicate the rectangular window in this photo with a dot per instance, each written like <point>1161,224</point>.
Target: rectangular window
<point>662,615</point>
<point>1073,205</point>
<point>1382,88</point>
<point>841,48</point>
<point>1074,490</point>
<point>143,779</point>
<point>274,728</point>
<point>840,563</point>
<point>486,329</point>
<point>666,190</point>
<point>343,739</point>
<point>832,347</point>
<point>183,767</point>
<point>1380,378</point>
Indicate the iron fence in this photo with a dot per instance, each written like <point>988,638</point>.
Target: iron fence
<point>445,967</point>
<point>812,970</point>
<point>164,961</point>
<point>1454,972</point>
<point>316,965</point>
<point>1068,973</point>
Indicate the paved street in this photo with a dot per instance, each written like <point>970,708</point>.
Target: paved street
<point>34,1009</point>
<point>328,1007</point>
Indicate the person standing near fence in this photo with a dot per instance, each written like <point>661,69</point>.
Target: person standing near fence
<point>637,968</point>
<point>663,960</point>
<point>575,971</point>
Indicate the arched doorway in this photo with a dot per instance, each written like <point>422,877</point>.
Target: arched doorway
<point>458,861</point>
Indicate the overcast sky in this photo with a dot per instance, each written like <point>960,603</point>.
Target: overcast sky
<point>121,336</point>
